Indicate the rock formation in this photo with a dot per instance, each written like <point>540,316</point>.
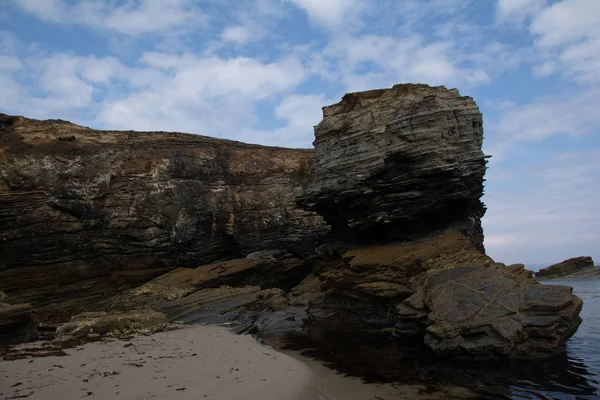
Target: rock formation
<point>399,163</point>
<point>573,268</point>
<point>84,213</point>
<point>406,164</point>
<point>398,176</point>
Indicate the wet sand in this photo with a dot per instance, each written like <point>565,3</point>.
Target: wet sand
<point>194,362</point>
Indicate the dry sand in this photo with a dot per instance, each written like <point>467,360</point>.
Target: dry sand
<point>195,362</point>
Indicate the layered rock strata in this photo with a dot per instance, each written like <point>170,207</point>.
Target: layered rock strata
<point>399,163</point>
<point>86,213</point>
<point>573,268</point>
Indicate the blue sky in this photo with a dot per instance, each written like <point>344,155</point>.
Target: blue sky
<point>259,71</point>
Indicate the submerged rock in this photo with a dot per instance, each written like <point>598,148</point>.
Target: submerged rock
<point>18,322</point>
<point>582,266</point>
<point>89,324</point>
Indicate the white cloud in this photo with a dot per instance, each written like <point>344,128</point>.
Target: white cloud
<point>302,113</point>
<point>567,114</point>
<point>568,39</point>
<point>574,114</point>
<point>516,11</point>
<point>238,34</point>
<point>206,95</point>
<point>64,83</point>
<point>332,13</point>
<point>47,10</point>
<point>371,61</point>
<point>134,17</point>
<point>215,76</point>
<point>9,63</point>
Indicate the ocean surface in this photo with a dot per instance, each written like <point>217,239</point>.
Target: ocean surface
<point>376,357</point>
<point>578,375</point>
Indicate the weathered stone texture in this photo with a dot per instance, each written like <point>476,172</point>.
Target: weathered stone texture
<point>396,162</point>
<point>85,212</point>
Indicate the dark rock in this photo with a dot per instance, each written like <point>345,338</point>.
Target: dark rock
<point>87,213</point>
<point>566,268</point>
<point>18,322</point>
<point>256,296</point>
<point>399,162</point>
<point>270,255</point>
<point>492,312</point>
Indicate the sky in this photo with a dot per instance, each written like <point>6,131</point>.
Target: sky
<point>259,71</point>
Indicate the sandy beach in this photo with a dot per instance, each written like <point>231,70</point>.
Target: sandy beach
<point>193,362</point>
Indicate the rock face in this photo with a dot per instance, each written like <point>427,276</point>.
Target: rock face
<point>18,322</point>
<point>566,268</point>
<point>399,162</point>
<point>86,213</point>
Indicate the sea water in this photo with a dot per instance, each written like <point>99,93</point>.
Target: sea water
<point>375,356</point>
<point>577,375</point>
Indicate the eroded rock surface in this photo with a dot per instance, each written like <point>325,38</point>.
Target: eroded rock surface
<point>491,311</point>
<point>263,296</point>
<point>399,162</point>
<point>570,269</point>
<point>85,213</point>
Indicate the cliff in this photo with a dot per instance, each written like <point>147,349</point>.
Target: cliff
<point>85,212</point>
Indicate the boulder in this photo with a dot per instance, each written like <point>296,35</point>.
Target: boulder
<point>490,311</point>
<point>116,323</point>
<point>18,322</point>
<point>567,267</point>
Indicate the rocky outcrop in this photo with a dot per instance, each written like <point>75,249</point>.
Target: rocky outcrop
<point>403,167</point>
<point>104,324</point>
<point>258,295</point>
<point>86,213</point>
<point>569,269</point>
<point>492,311</point>
<point>18,322</point>
<point>399,163</point>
